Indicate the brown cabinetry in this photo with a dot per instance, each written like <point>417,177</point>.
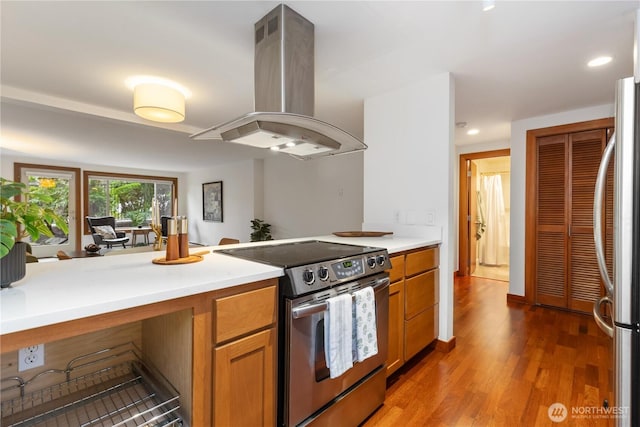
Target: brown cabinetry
<point>395,352</point>
<point>218,349</point>
<point>413,304</point>
<point>421,300</point>
<point>244,375</point>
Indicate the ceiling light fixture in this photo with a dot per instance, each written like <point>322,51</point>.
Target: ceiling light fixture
<point>599,61</point>
<point>158,99</point>
<point>473,132</point>
<point>488,5</point>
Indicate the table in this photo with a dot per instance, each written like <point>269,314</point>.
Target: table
<point>135,232</point>
<point>143,231</point>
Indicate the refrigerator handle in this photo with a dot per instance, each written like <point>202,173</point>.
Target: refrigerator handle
<point>597,314</point>
<point>597,213</point>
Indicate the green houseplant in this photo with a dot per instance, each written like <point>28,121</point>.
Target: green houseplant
<point>22,213</point>
<point>261,230</point>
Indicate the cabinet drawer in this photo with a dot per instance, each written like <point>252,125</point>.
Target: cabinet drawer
<point>420,331</point>
<point>397,268</point>
<point>240,314</point>
<point>421,292</point>
<point>420,261</point>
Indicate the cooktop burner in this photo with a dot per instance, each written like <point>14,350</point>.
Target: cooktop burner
<point>296,254</point>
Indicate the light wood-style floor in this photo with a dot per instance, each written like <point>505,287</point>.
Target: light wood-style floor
<point>500,272</point>
<point>509,365</point>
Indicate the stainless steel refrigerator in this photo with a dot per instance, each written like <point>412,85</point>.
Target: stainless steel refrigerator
<point>622,299</point>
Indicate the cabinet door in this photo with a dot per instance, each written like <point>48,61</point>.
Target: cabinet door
<point>244,381</point>
<point>395,352</point>
<point>421,292</point>
<point>420,331</point>
<point>584,275</point>
<point>551,239</point>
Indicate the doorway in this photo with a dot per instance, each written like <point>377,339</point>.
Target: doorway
<point>485,199</point>
<point>62,186</point>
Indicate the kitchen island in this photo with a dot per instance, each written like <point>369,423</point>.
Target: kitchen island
<point>190,320</point>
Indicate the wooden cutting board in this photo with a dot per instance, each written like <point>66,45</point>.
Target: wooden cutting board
<point>362,233</point>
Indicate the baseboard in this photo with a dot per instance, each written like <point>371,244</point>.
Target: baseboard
<point>446,346</point>
<point>516,299</point>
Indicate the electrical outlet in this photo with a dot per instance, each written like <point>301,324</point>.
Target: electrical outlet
<point>30,357</point>
<point>430,218</point>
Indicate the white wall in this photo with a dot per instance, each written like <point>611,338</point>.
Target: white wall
<point>314,197</point>
<point>241,188</point>
<point>518,173</point>
<point>409,166</point>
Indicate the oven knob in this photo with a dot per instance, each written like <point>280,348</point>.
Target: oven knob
<point>323,273</point>
<point>380,259</point>
<point>371,262</point>
<point>308,277</point>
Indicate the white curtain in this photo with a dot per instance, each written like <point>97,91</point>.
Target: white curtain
<point>494,244</point>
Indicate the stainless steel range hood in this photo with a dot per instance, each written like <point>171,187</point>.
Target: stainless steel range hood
<point>284,95</point>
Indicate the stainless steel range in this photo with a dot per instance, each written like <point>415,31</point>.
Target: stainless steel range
<point>314,272</point>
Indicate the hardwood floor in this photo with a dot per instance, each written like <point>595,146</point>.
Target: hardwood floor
<point>509,365</point>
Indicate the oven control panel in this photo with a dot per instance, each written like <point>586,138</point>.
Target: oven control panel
<point>348,268</point>
<point>322,275</point>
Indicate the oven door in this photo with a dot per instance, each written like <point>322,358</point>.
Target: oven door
<point>308,387</point>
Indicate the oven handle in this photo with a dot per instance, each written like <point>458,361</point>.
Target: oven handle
<point>308,310</point>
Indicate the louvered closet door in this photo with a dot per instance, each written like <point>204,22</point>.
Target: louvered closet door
<point>584,277</point>
<point>567,272</point>
<point>551,285</point>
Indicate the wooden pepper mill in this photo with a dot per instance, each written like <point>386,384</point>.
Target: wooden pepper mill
<point>173,249</point>
<point>183,237</point>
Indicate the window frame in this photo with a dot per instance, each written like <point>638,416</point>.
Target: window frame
<point>112,175</point>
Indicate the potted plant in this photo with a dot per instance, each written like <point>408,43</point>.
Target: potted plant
<point>22,213</point>
<point>261,230</point>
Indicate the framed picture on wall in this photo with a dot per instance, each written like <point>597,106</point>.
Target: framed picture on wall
<point>212,201</point>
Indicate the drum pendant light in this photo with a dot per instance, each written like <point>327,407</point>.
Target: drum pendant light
<point>158,103</point>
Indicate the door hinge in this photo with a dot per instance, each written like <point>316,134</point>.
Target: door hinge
<point>469,173</point>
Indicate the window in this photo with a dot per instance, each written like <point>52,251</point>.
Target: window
<point>128,198</point>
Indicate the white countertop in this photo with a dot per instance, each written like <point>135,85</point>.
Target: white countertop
<point>54,292</point>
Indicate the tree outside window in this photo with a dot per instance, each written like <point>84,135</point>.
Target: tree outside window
<point>128,198</point>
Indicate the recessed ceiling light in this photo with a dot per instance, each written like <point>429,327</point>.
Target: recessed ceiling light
<point>291,144</point>
<point>601,60</point>
<point>473,132</point>
<point>275,148</point>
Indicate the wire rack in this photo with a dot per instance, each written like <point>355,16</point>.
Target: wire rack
<point>128,393</point>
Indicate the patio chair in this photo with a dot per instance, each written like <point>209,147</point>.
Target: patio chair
<point>104,233</point>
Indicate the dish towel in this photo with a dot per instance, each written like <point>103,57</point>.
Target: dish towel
<point>364,313</point>
<point>338,327</point>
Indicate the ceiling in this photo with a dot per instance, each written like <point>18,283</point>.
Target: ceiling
<point>64,66</point>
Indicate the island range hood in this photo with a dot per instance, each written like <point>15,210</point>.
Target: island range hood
<point>284,95</point>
